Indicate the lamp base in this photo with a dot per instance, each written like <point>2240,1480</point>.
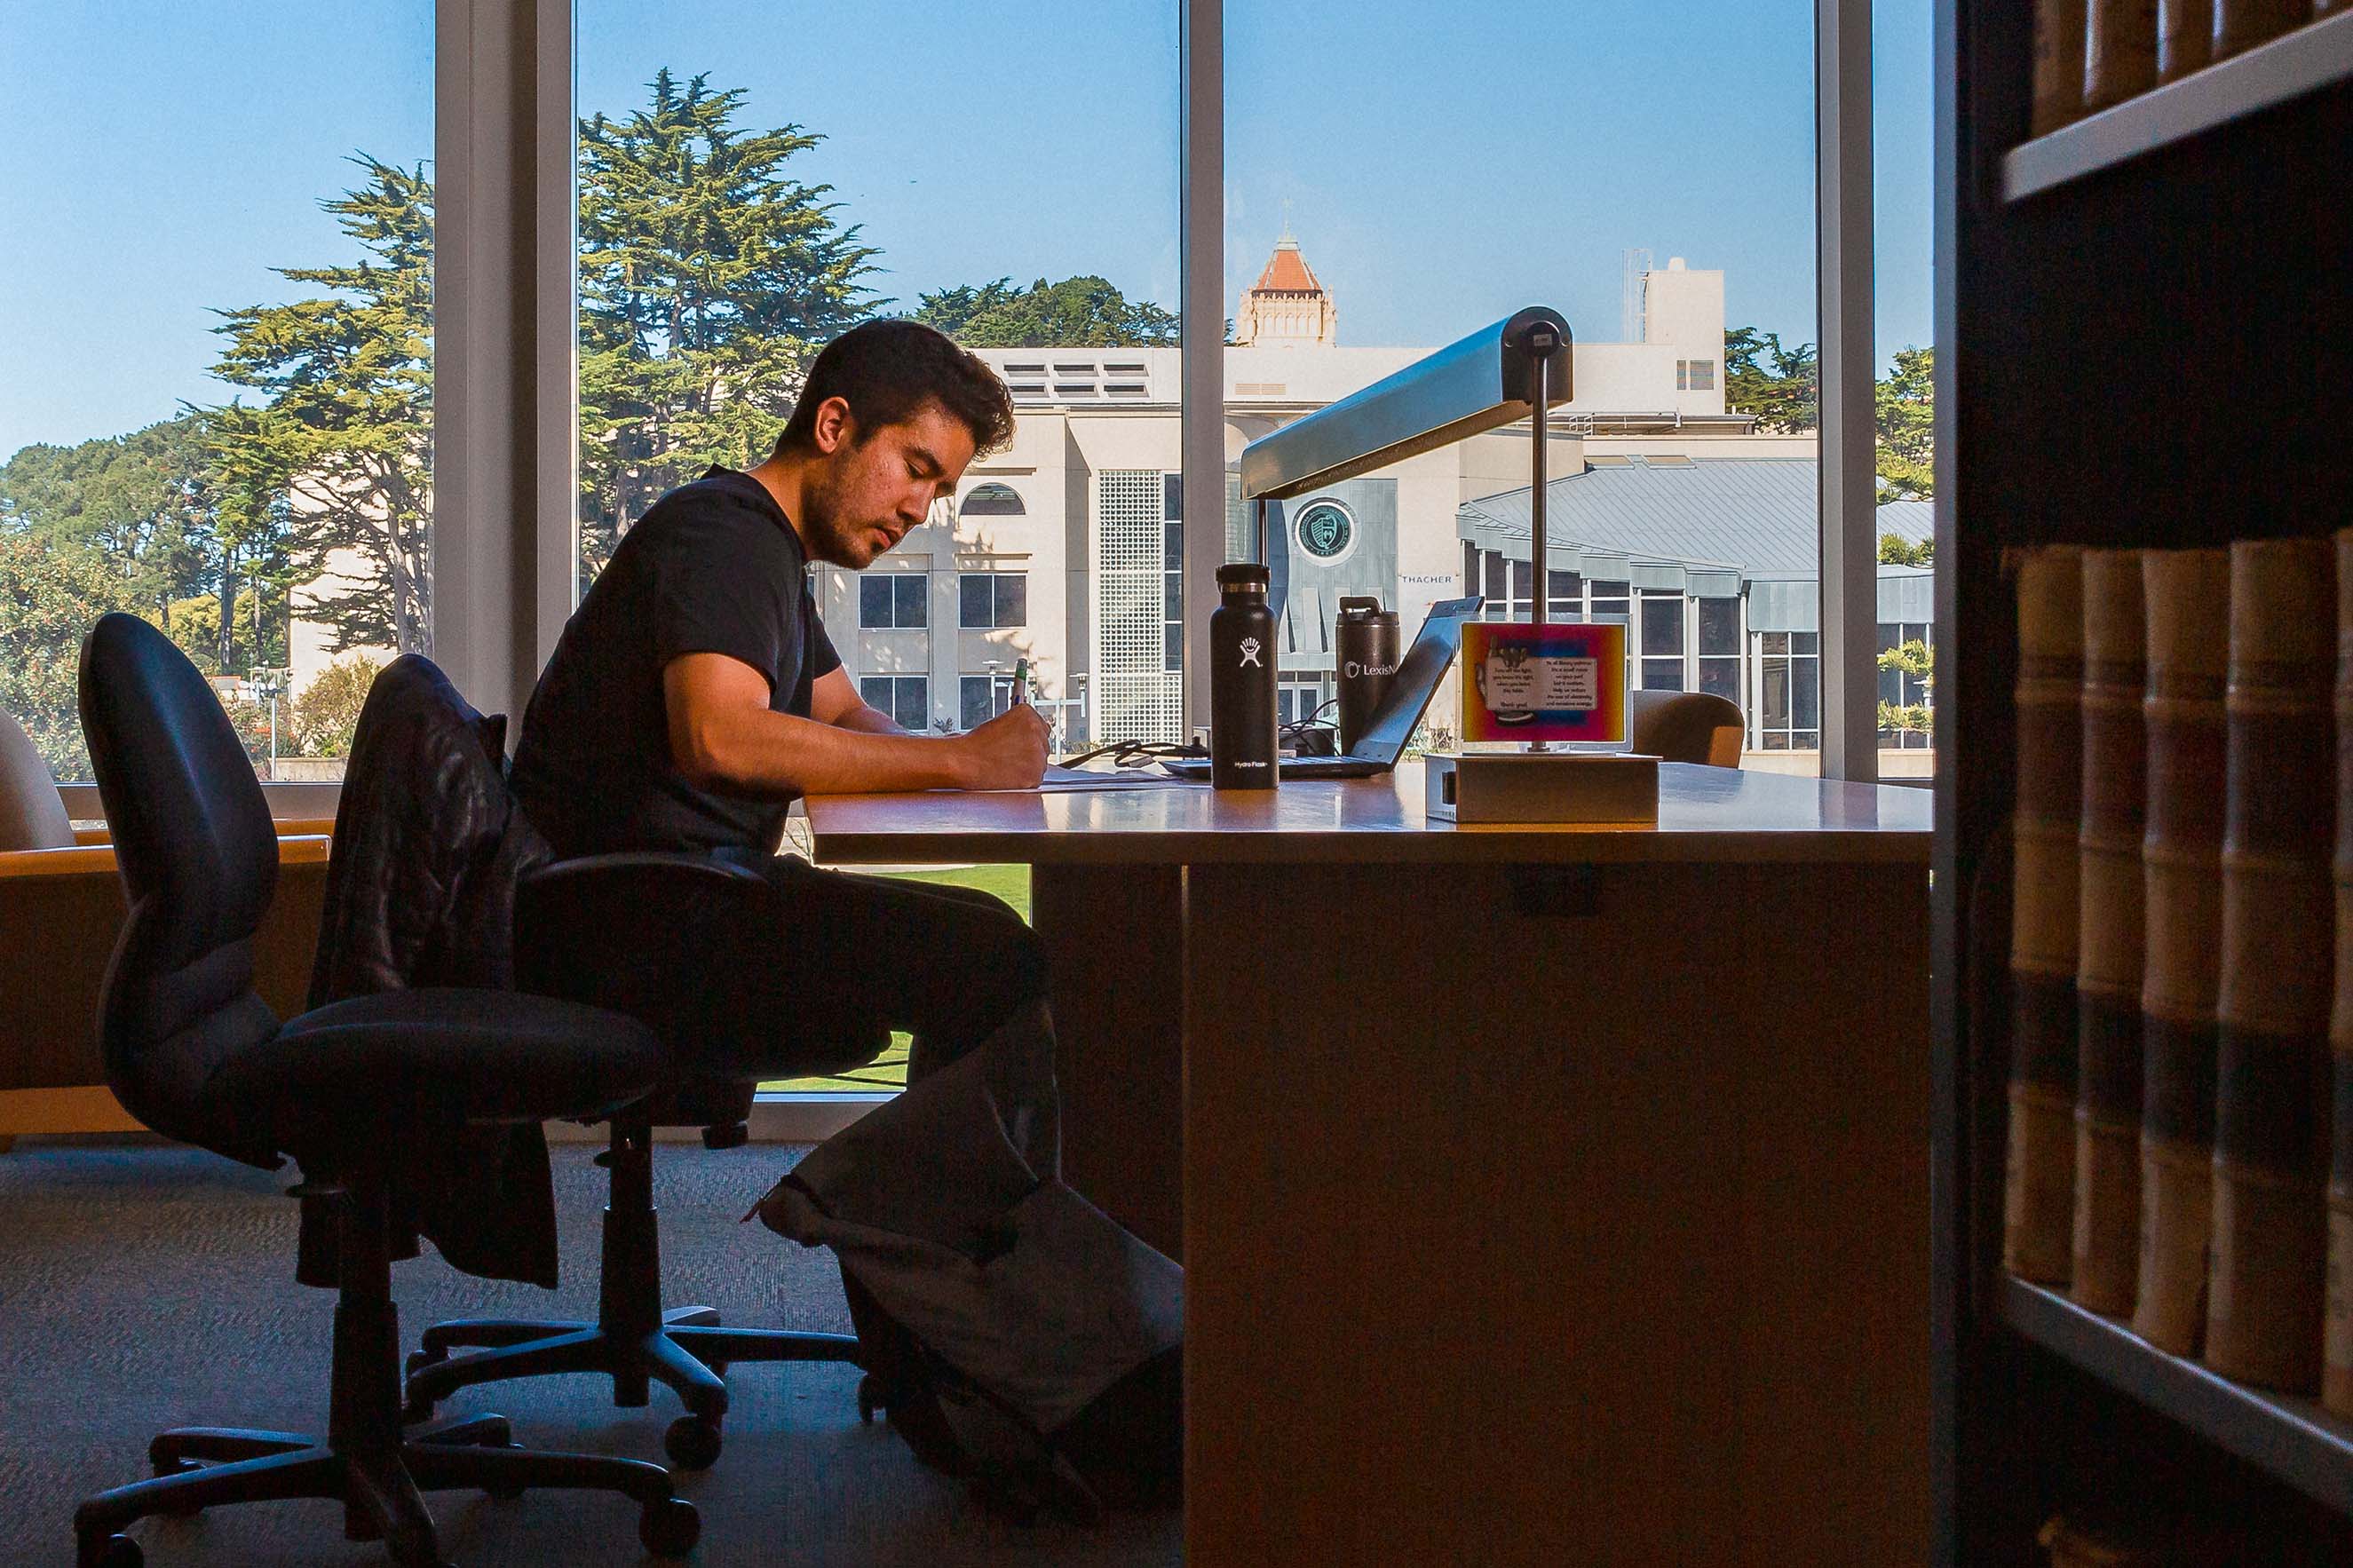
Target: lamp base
<point>1612,788</point>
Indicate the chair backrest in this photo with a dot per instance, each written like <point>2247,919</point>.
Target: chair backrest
<point>1685,727</point>
<point>420,889</point>
<point>32,817</point>
<point>199,861</point>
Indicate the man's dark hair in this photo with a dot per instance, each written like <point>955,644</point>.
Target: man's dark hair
<point>887,370</point>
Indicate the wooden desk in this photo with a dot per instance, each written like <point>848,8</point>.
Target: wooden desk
<point>1547,1194</point>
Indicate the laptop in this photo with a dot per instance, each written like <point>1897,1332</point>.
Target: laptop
<point>1384,739</point>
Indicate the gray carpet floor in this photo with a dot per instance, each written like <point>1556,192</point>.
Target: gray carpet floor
<point>144,1286</point>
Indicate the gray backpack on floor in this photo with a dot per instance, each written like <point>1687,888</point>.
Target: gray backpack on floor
<point>1012,1330</point>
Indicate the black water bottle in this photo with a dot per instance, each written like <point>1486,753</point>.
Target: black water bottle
<point>1364,646</point>
<point>1241,681</point>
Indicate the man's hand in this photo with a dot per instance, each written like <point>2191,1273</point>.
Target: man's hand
<point>1006,753</point>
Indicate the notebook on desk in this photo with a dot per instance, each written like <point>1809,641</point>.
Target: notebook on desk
<point>1384,741</point>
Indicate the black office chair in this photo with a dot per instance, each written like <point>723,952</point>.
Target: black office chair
<point>349,1090</point>
<point>1685,727</point>
<point>670,940</point>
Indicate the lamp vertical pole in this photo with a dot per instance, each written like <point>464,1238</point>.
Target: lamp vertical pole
<point>1539,557</point>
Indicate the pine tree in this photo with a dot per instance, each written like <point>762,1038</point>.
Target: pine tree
<point>334,473</point>
<point>710,276</point>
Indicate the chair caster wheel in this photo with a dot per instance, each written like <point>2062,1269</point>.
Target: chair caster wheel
<point>870,1399</point>
<point>115,1552</point>
<point>669,1527</point>
<point>420,1360</point>
<point>693,1442</point>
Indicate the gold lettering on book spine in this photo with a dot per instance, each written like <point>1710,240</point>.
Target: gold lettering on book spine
<point>2109,937</point>
<point>2038,1232</point>
<point>2187,596</point>
<point>2264,1309</point>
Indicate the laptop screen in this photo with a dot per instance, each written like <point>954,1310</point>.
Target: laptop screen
<point>1419,673</point>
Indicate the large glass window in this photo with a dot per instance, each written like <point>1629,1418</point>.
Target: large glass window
<point>748,189</point>
<point>1686,274</point>
<point>215,355</point>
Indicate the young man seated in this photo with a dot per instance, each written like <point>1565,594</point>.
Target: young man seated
<point>695,696</point>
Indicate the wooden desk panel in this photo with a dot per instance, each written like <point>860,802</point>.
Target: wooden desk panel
<point>1528,1218</point>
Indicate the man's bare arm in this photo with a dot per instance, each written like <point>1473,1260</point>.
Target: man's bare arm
<point>722,734</point>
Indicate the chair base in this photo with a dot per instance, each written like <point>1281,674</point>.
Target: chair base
<point>368,1463</point>
<point>688,1353</point>
<point>381,1487</point>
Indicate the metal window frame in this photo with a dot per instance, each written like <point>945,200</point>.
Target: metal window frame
<point>1845,257</point>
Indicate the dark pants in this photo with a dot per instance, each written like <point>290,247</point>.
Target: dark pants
<point>859,954</point>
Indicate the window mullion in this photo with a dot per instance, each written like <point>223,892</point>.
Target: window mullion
<point>1844,245</point>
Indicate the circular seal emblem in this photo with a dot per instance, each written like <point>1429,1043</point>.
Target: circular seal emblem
<point>1325,530</point>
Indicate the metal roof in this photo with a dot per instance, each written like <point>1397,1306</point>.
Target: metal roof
<point>1712,526</point>
<point>1758,516</point>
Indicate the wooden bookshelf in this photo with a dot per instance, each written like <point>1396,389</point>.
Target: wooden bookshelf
<point>2137,321</point>
<point>2287,67</point>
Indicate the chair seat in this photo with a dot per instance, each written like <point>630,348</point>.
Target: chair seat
<point>442,1055</point>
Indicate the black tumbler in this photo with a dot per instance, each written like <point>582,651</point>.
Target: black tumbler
<point>1364,646</point>
<point>1241,681</point>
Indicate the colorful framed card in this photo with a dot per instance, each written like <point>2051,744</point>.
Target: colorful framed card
<point>1553,682</point>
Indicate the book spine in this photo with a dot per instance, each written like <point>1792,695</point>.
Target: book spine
<point>2058,64</point>
<point>2109,937</point>
<point>2337,1361</point>
<point>2241,24</point>
<point>2185,37</point>
<point>2038,1232</point>
<point>2187,595</point>
<point>2272,1082</point>
<point>2119,51</point>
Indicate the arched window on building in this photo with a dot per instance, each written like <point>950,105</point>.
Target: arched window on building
<point>992,501</point>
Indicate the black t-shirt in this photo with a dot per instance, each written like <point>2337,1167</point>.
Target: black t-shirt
<point>712,567</point>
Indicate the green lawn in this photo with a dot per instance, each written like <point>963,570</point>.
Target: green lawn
<point>889,1071</point>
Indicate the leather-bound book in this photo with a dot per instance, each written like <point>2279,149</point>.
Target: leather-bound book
<point>2119,51</point>
<point>2039,1210</point>
<point>2185,36</point>
<point>2337,1371</point>
<point>2058,64</point>
<point>2242,24</point>
<point>2188,593</point>
<point>2109,937</point>
<point>2272,1084</point>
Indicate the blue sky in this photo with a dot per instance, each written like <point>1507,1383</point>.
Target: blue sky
<point>161,157</point>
